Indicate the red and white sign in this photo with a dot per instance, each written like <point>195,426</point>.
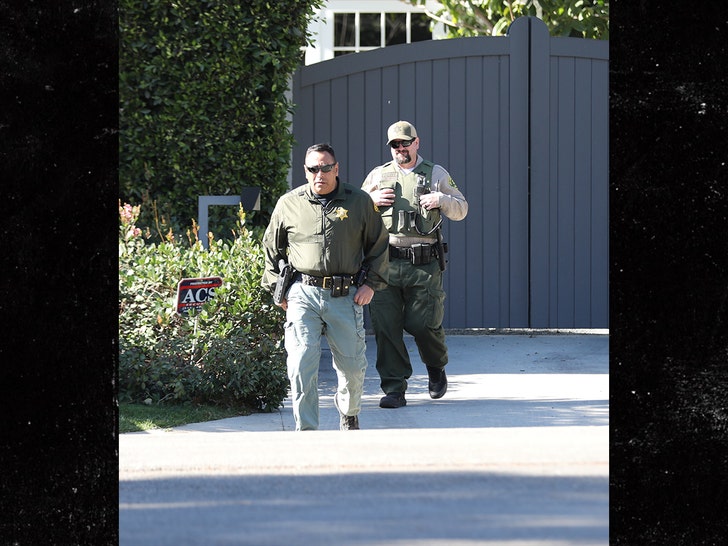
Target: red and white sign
<point>193,293</point>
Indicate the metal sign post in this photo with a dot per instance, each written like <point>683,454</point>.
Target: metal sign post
<point>249,197</point>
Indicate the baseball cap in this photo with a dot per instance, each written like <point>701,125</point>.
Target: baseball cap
<point>401,130</point>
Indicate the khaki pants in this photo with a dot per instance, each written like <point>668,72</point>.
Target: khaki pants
<point>312,312</point>
<point>412,302</point>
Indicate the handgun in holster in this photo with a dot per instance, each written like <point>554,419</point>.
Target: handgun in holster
<point>285,279</point>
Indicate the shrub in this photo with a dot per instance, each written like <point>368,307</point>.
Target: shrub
<point>228,352</point>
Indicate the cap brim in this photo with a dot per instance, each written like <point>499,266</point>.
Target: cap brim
<point>399,137</point>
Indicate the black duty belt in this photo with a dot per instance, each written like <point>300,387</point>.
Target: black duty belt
<point>323,282</point>
<point>405,252</point>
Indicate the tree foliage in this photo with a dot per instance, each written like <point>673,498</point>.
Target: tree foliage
<point>203,106</point>
<point>573,18</point>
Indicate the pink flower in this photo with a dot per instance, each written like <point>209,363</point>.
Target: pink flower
<point>128,214</point>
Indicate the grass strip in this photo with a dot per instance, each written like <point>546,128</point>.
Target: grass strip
<point>140,417</point>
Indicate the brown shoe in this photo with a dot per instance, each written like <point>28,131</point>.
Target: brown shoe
<point>349,422</point>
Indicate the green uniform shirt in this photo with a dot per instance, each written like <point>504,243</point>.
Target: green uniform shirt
<point>335,240</point>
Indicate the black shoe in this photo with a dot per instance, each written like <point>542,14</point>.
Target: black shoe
<point>393,400</point>
<point>349,422</point>
<point>438,382</point>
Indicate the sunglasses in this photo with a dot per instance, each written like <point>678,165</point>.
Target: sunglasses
<point>404,143</point>
<point>322,168</point>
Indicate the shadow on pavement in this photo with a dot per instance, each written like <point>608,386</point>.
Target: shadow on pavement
<point>364,509</point>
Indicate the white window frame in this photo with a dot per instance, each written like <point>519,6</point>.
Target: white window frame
<point>322,26</point>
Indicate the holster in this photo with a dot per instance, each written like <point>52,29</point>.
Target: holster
<point>441,249</point>
<point>361,275</point>
<point>285,279</point>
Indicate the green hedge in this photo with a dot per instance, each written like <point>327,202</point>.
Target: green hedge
<point>228,353</point>
<point>202,103</point>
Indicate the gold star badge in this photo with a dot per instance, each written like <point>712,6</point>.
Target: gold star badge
<point>341,213</point>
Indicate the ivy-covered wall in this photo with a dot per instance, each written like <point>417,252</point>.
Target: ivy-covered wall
<point>203,107</point>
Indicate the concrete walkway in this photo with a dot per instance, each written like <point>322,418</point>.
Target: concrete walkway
<point>516,453</point>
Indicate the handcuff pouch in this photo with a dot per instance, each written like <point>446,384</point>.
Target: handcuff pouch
<point>340,285</point>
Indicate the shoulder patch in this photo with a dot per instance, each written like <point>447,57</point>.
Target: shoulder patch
<point>451,182</point>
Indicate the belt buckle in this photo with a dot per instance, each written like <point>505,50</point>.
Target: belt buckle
<point>324,284</point>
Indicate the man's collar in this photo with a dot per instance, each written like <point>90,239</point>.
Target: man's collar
<point>329,196</point>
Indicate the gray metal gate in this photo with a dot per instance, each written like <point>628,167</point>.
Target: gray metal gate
<point>521,123</point>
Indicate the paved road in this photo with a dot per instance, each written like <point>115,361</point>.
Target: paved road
<point>516,454</point>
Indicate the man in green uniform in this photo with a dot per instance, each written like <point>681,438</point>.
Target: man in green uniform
<point>412,195</point>
<point>332,235</point>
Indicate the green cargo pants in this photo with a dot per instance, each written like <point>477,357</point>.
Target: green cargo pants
<point>412,302</point>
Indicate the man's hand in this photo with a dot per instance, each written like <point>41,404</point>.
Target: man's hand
<point>383,197</point>
<point>364,295</point>
<point>430,201</point>
<point>284,304</point>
